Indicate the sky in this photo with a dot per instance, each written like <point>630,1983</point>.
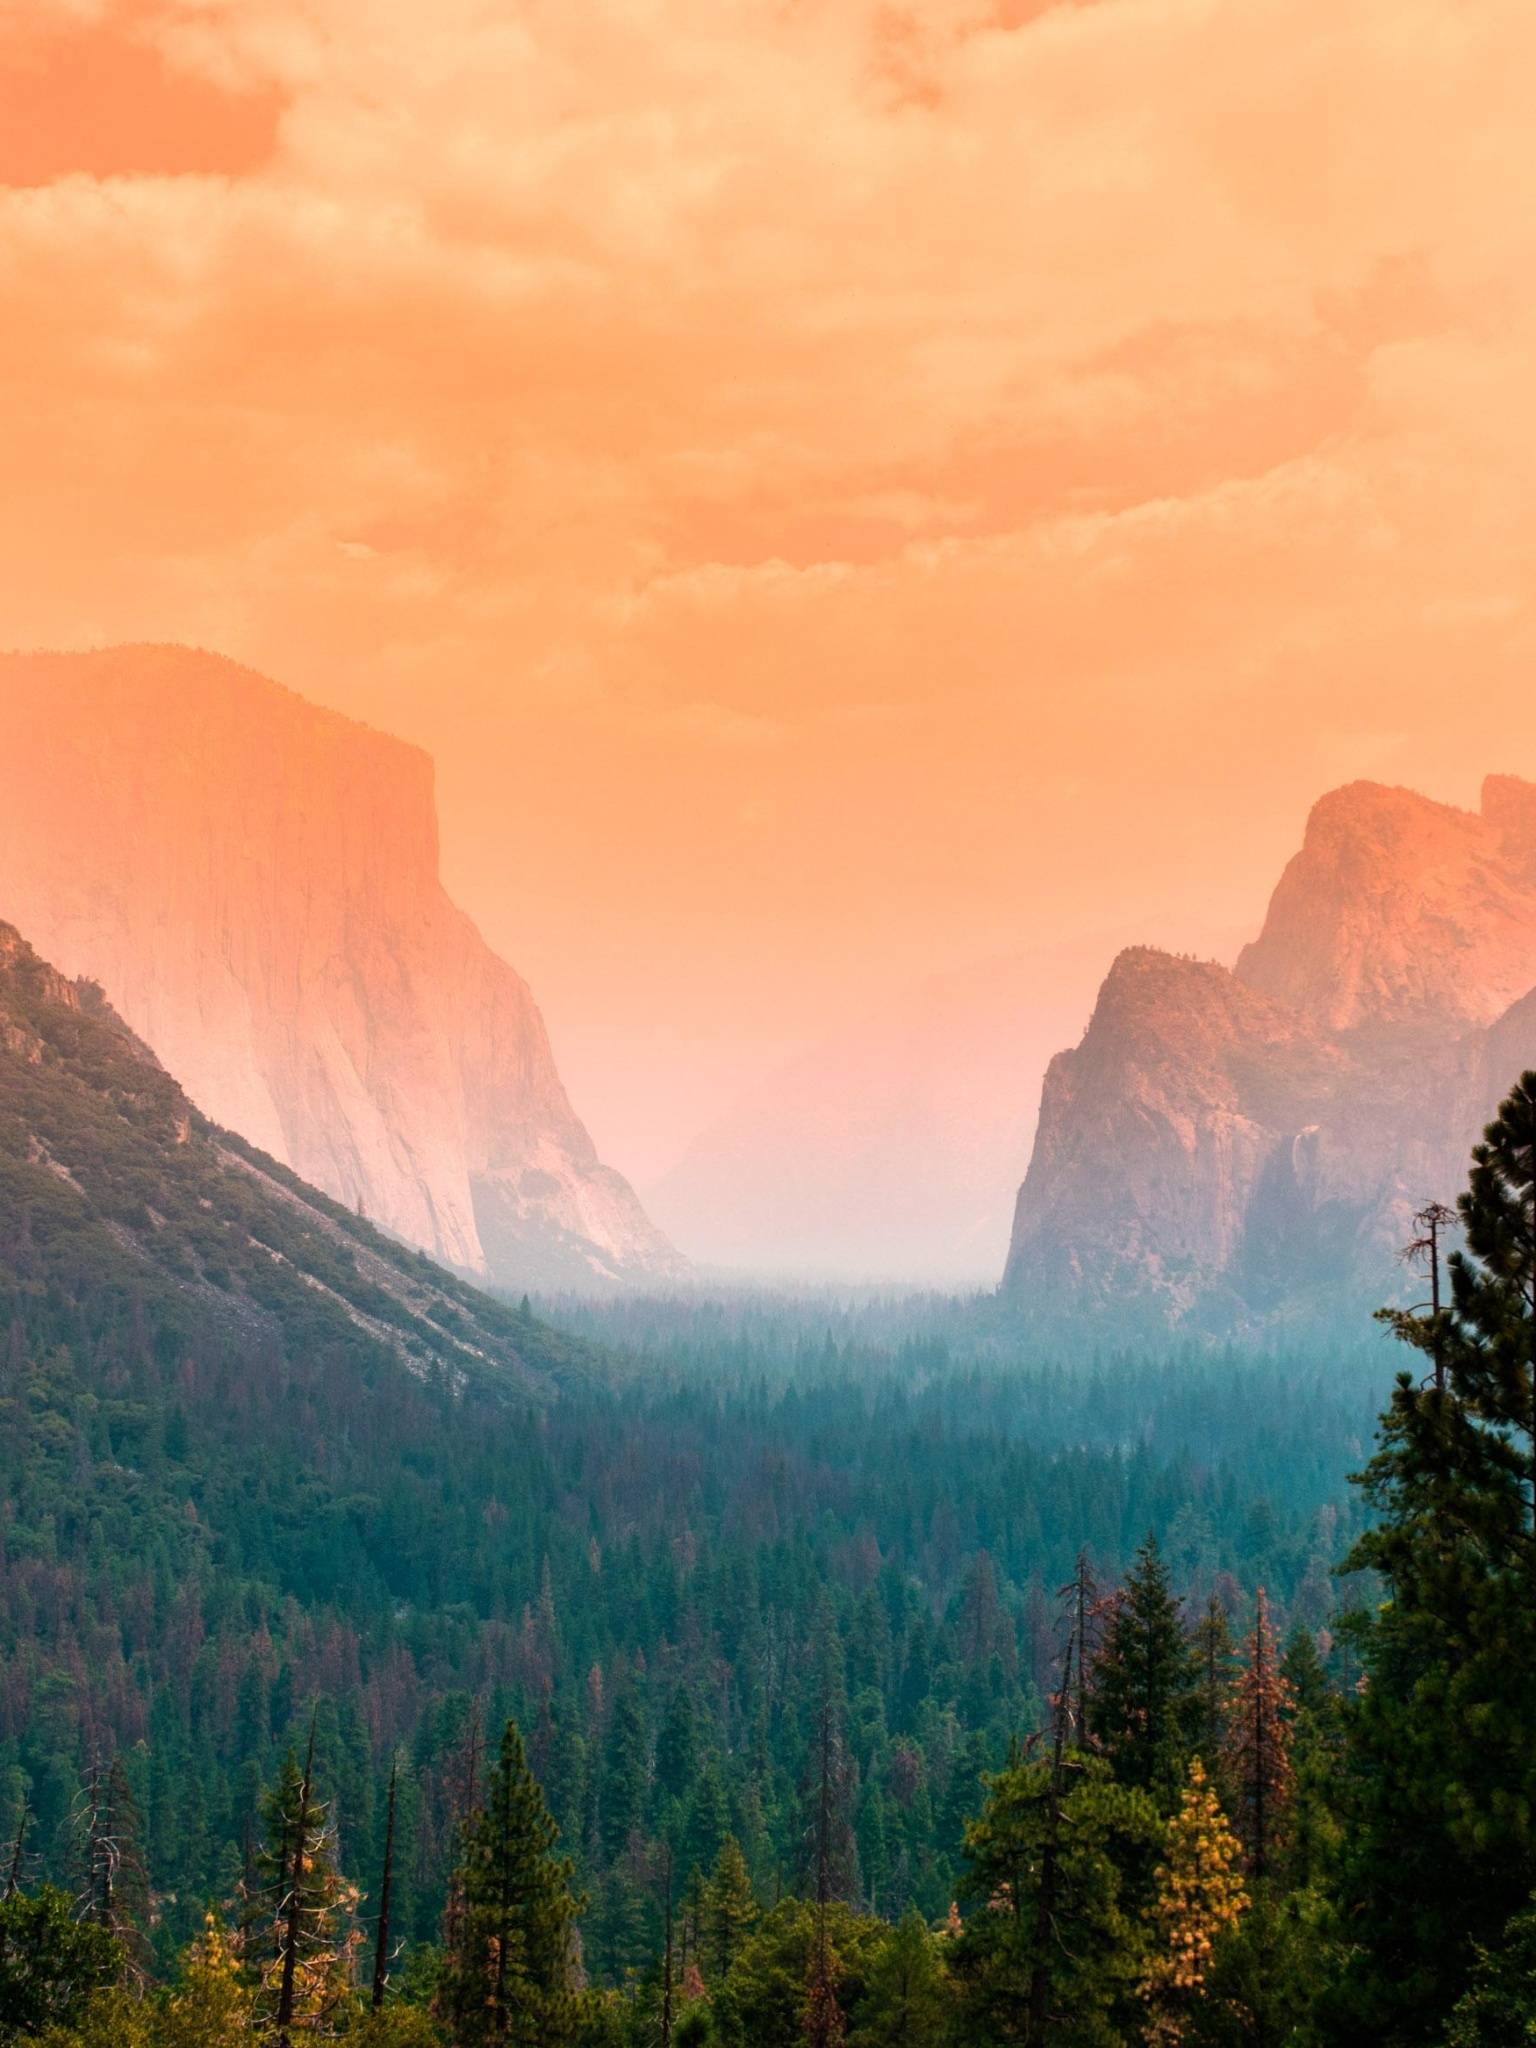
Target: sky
<point>843,490</point>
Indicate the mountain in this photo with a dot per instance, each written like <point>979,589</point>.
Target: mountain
<point>1399,911</point>
<point>123,1208</point>
<point>254,883</point>
<point>891,1150</point>
<point>1226,1146</point>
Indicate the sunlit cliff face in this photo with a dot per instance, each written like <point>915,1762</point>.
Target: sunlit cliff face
<point>841,489</point>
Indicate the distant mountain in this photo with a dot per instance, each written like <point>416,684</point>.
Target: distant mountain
<point>122,1204</point>
<point>254,883</point>
<point>893,1149</point>
<point>1231,1147</point>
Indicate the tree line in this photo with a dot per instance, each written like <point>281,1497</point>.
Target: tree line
<point>807,1763</point>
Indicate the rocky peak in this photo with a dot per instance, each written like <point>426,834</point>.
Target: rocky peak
<point>1223,1146</point>
<point>1402,912</point>
<point>1154,1130</point>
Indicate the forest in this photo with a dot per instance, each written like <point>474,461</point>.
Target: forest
<point>753,1674</point>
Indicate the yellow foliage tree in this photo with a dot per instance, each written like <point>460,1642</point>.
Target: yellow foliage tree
<point>1200,1894</point>
<point>212,2008</point>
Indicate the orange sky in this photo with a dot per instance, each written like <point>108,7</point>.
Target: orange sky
<point>841,488</point>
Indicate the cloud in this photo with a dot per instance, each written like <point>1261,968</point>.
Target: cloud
<point>101,93</point>
<point>1135,396</point>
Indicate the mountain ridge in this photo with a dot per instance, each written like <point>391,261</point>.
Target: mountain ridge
<point>1225,1147</point>
<point>113,1183</point>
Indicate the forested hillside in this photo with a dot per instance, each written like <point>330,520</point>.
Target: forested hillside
<point>850,1688</point>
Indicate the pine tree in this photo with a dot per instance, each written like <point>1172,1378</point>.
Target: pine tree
<point>509,1979</point>
<point>828,1842</point>
<point>829,1855</point>
<point>1213,1660</point>
<point>678,1747</point>
<point>1498,2009</point>
<point>305,1979</point>
<point>908,1999</point>
<point>1259,1744</point>
<point>461,1791</point>
<point>729,1910</point>
<point>1441,1749</point>
<point>1143,1684</point>
<point>1085,1617</point>
<point>1046,1857</point>
<point>624,1774</point>
<point>1053,1950</point>
<point>1200,1896</point>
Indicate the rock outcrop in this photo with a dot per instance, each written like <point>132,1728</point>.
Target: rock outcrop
<point>254,883</point>
<point>1225,1146</point>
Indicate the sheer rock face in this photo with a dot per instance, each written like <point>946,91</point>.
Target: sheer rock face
<point>1228,1145</point>
<point>1401,911</point>
<point>254,883</point>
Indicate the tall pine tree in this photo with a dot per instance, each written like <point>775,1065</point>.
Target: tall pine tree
<point>509,1978</point>
<point>1442,1741</point>
<point>1143,1681</point>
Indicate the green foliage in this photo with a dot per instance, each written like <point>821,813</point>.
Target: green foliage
<point>109,2019</point>
<point>772,1609</point>
<point>729,1911</point>
<point>1144,1681</point>
<point>1269,1975</point>
<point>1498,2008</point>
<point>762,2003</point>
<point>51,1965</point>
<point>212,2006</point>
<point>908,1999</point>
<point>1054,1879</point>
<point>1442,1773</point>
<point>508,1975</point>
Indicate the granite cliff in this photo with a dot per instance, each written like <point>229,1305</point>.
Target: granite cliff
<point>254,883</point>
<point>1226,1146</point>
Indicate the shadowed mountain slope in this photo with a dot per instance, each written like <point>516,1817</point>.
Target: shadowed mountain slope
<point>122,1209</point>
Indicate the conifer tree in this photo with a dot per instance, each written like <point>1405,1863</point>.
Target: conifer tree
<point>908,2000</point>
<point>463,1797</point>
<point>509,1978</point>
<point>1213,1662</point>
<point>1442,1739</point>
<point>1053,1951</point>
<point>729,1910</point>
<point>624,1773</point>
<point>1200,1897</point>
<point>1053,1937</point>
<point>306,1977</point>
<point>829,1855</point>
<point>1143,1684</point>
<point>1085,1611</point>
<point>1259,1744</point>
<point>677,1747</point>
<point>1498,2009</point>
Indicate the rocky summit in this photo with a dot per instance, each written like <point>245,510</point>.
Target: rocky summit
<point>1232,1147</point>
<point>253,881</point>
